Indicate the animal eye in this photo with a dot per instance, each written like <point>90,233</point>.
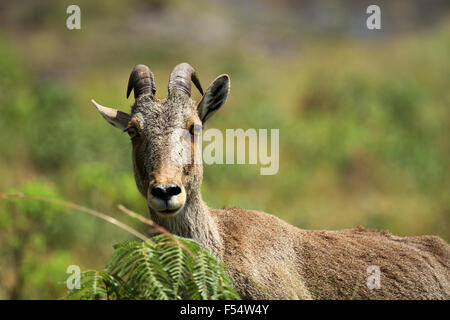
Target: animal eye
<point>195,128</point>
<point>132,132</point>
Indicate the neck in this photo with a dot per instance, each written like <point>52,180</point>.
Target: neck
<point>194,222</point>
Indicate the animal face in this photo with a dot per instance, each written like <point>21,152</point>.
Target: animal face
<point>162,170</point>
<point>164,135</point>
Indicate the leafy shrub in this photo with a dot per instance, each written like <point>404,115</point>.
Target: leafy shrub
<point>29,235</point>
<point>164,267</point>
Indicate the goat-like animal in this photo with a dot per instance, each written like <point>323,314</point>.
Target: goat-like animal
<point>266,257</point>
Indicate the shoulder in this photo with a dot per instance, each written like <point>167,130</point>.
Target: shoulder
<point>251,226</point>
<point>246,218</point>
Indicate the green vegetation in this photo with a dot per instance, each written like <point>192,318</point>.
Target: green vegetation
<point>160,267</point>
<point>363,127</point>
<point>165,267</point>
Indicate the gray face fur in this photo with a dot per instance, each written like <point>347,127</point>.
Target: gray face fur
<point>157,123</point>
<point>154,127</point>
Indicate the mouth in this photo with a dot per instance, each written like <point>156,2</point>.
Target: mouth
<point>167,212</point>
<point>170,211</point>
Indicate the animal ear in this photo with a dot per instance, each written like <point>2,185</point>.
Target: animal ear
<point>214,97</point>
<point>114,117</point>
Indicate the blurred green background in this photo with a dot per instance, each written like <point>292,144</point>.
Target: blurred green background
<point>363,115</point>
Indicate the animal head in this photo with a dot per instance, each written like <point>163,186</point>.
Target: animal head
<point>162,130</point>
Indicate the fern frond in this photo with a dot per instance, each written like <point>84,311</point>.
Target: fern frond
<point>95,285</point>
<point>164,267</point>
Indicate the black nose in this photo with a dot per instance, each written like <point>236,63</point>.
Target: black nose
<point>165,192</point>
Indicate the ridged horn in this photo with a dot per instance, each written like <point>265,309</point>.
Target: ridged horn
<point>181,77</point>
<point>142,81</point>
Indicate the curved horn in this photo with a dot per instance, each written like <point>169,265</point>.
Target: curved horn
<point>181,77</point>
<point>141,80</point>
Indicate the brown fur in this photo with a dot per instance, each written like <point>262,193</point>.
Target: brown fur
<point>291,263</point>
<point>268,258</point>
